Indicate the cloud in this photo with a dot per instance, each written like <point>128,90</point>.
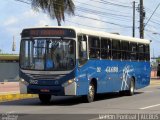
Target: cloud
<point>85,22</point>
<point>10,21</point>
<point>30,14</point>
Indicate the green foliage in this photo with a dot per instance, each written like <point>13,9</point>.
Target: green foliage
<point>54,8</point>
<point>158,60</point>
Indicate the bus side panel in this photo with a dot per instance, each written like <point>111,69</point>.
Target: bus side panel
<point>108,79</point>
<point>94,69</point>
<point>143,75</point>
<point>112,76</point>
<point>91,70</point>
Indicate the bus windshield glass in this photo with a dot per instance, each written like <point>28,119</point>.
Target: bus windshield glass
<point>47,54</point>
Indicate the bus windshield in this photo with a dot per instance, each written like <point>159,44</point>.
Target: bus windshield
<point>47,54</point>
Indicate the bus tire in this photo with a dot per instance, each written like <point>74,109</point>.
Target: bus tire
<point>91,93</point>
<point>45,98</point>
<point>130,92</point>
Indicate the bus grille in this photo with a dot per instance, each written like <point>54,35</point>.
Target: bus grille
<point>45,77</point>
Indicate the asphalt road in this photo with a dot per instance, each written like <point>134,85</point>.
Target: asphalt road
<point>145,100</point>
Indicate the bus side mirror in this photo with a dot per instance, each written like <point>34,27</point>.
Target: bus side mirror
<point>83,46</point>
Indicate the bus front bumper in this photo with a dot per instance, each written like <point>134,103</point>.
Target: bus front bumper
<point>26,88</point>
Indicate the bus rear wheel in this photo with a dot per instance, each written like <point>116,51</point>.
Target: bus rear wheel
<point>130,92</point>
<point>45,98</point>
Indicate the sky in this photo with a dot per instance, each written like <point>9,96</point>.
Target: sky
<point>15,16</point>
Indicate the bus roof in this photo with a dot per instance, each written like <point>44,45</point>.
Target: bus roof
<point>99,34</point>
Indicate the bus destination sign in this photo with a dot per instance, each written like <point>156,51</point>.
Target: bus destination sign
<point>49,32</point>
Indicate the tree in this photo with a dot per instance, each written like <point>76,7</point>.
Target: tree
<point>158,60</point>
<point>54,8</point>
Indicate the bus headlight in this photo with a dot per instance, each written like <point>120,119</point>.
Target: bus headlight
<point>68,82</point>
<point>23,81</point>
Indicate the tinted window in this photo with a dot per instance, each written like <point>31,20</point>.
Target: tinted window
<point>125,50</point>
<point>147,53</point>
<point>133,51</point>
<point>141,49</point>
<point>94,47</point>
<point>82,54</point>
<point>116,52</point>
<point>105,48</point>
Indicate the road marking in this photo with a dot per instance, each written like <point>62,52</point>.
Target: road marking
<point>149,107</point>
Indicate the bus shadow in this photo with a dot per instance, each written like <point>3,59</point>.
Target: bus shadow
<point>63,101</point>
<point>106,96</point>
<point>80,100</point>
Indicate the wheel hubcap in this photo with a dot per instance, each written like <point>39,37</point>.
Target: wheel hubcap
<point>91,92</point>
<point>132,87</point>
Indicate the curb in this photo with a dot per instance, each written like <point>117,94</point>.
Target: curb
<point>155,82</point>
<point>10,97</point>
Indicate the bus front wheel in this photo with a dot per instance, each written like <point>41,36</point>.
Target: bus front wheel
<point>91,93</point>
<point>45,98</point>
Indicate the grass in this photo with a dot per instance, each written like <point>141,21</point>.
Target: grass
<point>9,57</point>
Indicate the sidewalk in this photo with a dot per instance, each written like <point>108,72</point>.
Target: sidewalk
<point>9,87</point>
<point>10,91</point>
<point>155,81</point>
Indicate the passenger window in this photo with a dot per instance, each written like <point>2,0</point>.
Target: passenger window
<point>82,53</point>
<point>116,53</point>
<point>94,47</point>
<point>147,53</point>
<point>105,48</point>
<point>125,50</point>
<point>141,50</point>
<point>133,51</point>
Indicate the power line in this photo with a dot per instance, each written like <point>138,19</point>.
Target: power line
<point>152,37</point>
<point>88,25</point>
<point>100,12</point>
<point>113,4</point>
<point>91,18</point>
<point>117,1</point>
<point>23,1</point>
<point>87,9</point>
<point>125,26</point>
<point>152,14</point>
<point>102,8</point>
<point>108,17</point>
<point>93,26</point>
<point>150,11</point>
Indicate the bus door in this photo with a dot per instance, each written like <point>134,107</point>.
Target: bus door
<point>82,72</point>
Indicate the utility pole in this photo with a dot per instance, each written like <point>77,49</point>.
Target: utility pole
<point>142,15</point>
<point>133,32</point>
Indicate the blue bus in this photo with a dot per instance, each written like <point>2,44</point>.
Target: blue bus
<point>70,61</point>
